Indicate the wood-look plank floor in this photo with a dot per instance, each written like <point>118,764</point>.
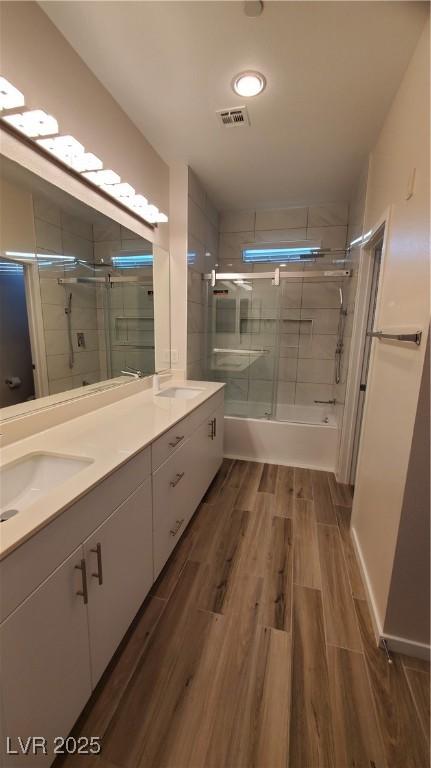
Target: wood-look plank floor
<point>255,648</point>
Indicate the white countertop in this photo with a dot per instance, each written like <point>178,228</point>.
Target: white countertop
<point>109,436</point>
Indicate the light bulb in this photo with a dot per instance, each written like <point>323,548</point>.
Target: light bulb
<point>33,123</point>
<point>10,97</point>
<point>248,84</point>
<point>102,177</point>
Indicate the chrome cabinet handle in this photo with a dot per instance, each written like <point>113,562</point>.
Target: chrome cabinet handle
<point>178,524</point>
<point>84,591</point>
<point>215,426</point>
<point>99,574</point>
<point>211,426</point>
<point>176,441</point>
<point>179,476</point>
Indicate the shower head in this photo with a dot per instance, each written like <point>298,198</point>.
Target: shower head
<point>68,308</point>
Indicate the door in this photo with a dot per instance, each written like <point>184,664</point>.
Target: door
<point>120,574</point>
<point>16,382</point>
<point>377,257</point>
<point>46,662</point>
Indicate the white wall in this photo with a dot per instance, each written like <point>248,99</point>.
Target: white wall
<point>41,63</point>
<point>202,251</point>
<point>396,371</point>
<point>408,611</point>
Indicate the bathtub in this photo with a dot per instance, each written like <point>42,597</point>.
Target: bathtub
<point>298,436</point>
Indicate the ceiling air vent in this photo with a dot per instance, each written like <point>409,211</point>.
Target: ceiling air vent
<point>236,116</point>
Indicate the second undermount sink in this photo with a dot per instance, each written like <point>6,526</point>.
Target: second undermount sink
<point>180,393</point>
<point>24,481</point>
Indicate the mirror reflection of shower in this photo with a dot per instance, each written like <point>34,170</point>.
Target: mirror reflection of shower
<point>68,313</point>
<point>340,338</point>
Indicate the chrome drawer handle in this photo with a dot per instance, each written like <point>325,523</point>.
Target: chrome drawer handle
<point>84,591</point>
<point>179,476</point>
<point>178,525</point>
<point>99,574</point>
<point>176,441</point>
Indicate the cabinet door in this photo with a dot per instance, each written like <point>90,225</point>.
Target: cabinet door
<point>217,441</point>
<point>46,662</point>
<point>208,450</point>
<point>120,573</point>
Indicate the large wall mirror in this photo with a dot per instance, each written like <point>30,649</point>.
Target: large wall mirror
<point>83,301</point>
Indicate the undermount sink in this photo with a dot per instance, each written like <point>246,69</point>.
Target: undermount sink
<point>180,393</point>
<point>24,481</point>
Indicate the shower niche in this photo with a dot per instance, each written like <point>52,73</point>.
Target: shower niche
<point>91,298</point>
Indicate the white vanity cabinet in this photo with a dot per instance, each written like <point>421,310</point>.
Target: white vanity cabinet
<point>181,481</point>
<point>45,661</point>
<point>73,588</point>
<point>119,557</point>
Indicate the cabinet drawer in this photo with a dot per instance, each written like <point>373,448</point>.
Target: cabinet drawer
<point>176,488</point>
<point>170,441</point>
<point>175,437</point>
<point>25,568</point>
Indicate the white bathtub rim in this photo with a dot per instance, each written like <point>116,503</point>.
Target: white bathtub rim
<point>253,459</point>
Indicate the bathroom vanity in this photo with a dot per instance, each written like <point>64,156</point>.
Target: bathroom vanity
<point>78,560</point>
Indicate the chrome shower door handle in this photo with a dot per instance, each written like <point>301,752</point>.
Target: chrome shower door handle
<point>99,573</point>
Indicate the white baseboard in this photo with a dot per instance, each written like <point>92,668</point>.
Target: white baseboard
<point>408,647</point>
<point>375,619</point>
<point>394,643</point>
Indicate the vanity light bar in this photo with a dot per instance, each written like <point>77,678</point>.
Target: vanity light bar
<point>36,123</point>
<point>38,256</point>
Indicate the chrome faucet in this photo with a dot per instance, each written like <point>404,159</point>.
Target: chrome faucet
<point>135,373</point>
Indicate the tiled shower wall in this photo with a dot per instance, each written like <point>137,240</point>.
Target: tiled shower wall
<point>59,233</point>
<point>202,229</point>
<point>309,310</point>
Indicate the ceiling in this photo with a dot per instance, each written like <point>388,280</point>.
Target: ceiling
<point>332,68</point>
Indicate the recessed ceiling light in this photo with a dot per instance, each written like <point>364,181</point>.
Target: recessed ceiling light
<point>248,83</point>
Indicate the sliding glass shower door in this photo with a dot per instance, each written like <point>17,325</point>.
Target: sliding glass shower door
<point>280,348</point>
<point>243,337</point>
